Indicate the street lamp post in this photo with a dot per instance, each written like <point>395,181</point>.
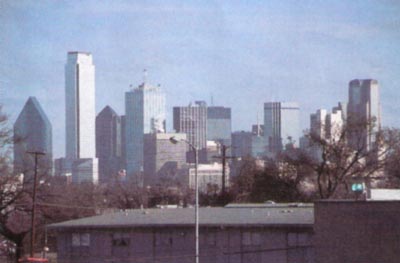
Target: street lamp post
<point>196,186</point>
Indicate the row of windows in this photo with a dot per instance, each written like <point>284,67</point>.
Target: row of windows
<point>167,239</point>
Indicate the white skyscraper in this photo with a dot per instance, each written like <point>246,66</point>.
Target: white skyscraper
<point>145,113</point>
<point>80,112</point>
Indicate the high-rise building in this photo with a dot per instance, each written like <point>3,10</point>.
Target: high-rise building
<point>32,133</point>
<point>363,112</point>
<point>144,113</point>
<point>108,143</point>
<point>192,120</point>
<point>163,159</point>
<point>219,124</point>
<point>241,143</point>
<point>123,141</point>
<point>281,125</point>
<point>80,114</point>
<point>318,123</point>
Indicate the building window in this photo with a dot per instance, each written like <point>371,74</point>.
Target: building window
<point>80,239</point>
<point>163,239</point>
<point>251,239</point>
<point>298,239</point>
<point>211,239</point>
<point>120,239</point>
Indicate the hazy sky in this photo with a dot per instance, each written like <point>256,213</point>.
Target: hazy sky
<point>242,53</point>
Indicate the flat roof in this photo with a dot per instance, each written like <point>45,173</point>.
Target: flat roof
<point>245,216</point>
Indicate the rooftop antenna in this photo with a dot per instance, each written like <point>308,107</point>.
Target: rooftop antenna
<point>212,100</point>
<point>258,126</point>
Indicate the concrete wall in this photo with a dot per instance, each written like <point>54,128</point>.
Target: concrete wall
<point>162,245</point>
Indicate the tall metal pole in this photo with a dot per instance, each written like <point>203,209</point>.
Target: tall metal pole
<point>223,168</point>
<point>196,185</point>
<point>33,217</point>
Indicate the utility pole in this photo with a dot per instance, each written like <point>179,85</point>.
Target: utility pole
<point>33,217</point>
<point>223,158</point>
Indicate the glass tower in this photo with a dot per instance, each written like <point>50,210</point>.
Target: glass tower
<point>281,125</point>
<point>144,113</point>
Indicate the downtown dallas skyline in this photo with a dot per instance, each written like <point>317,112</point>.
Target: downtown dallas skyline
<point>242,54</point>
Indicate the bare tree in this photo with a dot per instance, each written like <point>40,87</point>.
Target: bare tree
<point>336,160</point>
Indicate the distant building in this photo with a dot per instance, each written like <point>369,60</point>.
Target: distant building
<point>357,231</point>
<point>241,143</point>
<point>145,113</point>
<point>364,113</point>
<point>219,124</point>
<point>33,133</point>
<point>244,233</point>
<point>80,111</point>
<point>318,123</point>
<point>163,159</point>
<point>281,125</point>
<point>108,144</point>
<point>209,176</point>
<point>247,144</point>
<point>123,141</point>
<point>84,169</point>
<point>63,167</point>
<point>192,120</point>
<point>257,129</point>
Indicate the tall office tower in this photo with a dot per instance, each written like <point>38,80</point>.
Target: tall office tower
<point>241,143</point>
<point>123,141</point>
<point>144,113</point>
<point>80,115</point>
<point>342,107</point>
<point>219,125</point>
<point>334,124</point>
<point>364,112</point>
<point>192,120</point>
<point>163,159</point>
<point>281,125</point>
<point>318,123</point>
<point>33,133</point>
<point>108,143</point>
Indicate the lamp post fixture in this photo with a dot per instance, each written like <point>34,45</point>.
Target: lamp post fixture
<point>196,186</point>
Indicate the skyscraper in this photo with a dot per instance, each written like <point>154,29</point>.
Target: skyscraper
<point>281,125</point>
<point>108,143</point>
<point>144,113</point>
<point>80,112</point>
<point>363,112</point>
<point>32,132</point>
<point>192,120</point>
<point>163,159</point>
<point>219,124</point>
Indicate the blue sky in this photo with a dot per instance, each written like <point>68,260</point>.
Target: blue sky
<point>242,53</point>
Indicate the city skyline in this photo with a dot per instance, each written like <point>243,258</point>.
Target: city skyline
<point>240,54</point>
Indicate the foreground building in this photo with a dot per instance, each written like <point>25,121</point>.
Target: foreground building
<point>235,233</point>
<point>357,231</point>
